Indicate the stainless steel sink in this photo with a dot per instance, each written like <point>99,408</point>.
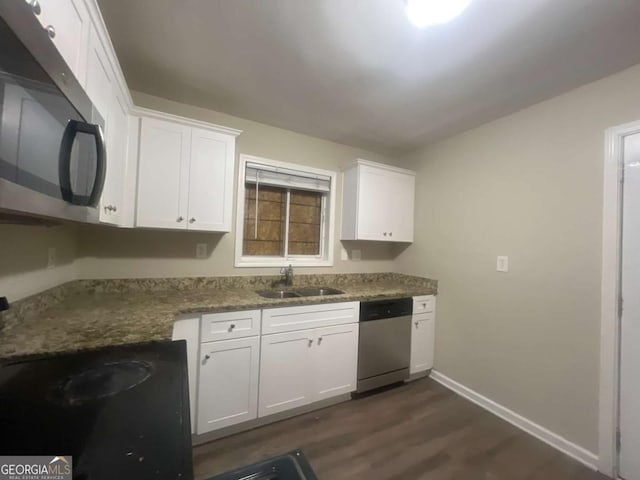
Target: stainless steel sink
<point>317,291</point>
<point>299,292</point>
<point>277,293</point>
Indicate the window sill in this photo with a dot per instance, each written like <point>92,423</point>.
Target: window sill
<point>247,262</point>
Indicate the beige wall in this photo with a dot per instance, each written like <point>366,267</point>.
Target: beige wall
<point>108,253</point>
<point>528,186</point>
<point>24,254</point>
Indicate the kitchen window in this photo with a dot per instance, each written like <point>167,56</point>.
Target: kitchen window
<point>285,214</point>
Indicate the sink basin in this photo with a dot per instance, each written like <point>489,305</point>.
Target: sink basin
<point>299,292</point>
<point>278,293</point>
<point>317,291</point>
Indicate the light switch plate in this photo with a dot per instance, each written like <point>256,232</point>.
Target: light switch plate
<point>502,264</point>
<point>356,255</point>
<point>201,250</point>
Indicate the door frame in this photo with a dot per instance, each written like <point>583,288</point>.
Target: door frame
<point>610,294</point>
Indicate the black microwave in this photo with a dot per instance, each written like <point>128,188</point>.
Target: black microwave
<point>52,149</point>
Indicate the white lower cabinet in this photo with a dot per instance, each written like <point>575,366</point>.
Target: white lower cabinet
<point>285,371</point>
<point>335,361</point>
<point>422,334</point>
<point>228,383</point>
<point>305,366</point>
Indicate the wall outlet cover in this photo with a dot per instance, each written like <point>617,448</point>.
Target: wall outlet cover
<point>502,264</point>
<point>201,250</point>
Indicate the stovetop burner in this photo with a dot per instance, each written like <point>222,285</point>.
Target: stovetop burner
<point>101,381</point>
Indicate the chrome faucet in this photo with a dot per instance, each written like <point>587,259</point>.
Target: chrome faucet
<point>287,272</point>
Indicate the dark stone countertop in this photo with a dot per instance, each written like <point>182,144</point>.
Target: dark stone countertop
<point>94,313</point>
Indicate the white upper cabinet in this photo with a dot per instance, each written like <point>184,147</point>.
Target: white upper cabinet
<point>68,25</point>
<point>211,180</point>
<point>378,203</point>
<point>185,176</point>
<point>163,178</point>
<point>103,92</point>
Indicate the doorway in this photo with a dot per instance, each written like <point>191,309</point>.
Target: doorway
<point>619,422</point>
<point>629,421</point>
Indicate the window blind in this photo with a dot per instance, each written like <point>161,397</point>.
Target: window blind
<point>287,178</point>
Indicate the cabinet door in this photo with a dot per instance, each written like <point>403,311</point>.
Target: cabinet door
<point>69,23</point>
<point>399,207</point>
<point>100,88</point>
<point>228,383</point>
<point>372,216</point>
<point>211,181</point>
<point>163,174</point>
<point>335,361</point>
<point>111,204</point>
<point>422,342</point>
<point>285,371</point>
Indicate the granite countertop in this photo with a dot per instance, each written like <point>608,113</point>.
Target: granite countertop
<point>92,313</point>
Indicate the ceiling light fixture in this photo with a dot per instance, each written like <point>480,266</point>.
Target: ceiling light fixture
<point>424,13</point>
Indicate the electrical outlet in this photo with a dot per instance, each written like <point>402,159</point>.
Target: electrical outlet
<point>356,255</point>
<point>502,264</point>
<point>51,257</point>
<point>344,255</point>
<point>201,250</point>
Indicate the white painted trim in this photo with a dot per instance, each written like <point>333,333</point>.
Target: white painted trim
<point>296,261</point>
<point>369,163</point>
<point>610,289</point>
<point>582,455</point>
<point>169,117</point>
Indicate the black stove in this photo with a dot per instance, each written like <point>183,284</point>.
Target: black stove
<point>121,412</point>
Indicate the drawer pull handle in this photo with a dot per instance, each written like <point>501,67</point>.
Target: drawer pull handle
<point>232,326</point>
<point>319,340</point>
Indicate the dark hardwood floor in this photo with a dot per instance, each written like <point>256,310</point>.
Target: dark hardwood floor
<point>416,431</point>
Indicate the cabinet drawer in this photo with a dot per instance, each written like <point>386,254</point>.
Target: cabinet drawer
<point>227,325</point>
<point>424,304</point>
<point>277,320</point>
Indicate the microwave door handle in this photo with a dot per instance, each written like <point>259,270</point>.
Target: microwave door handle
<point>64,163</point>
<point>101,164</point>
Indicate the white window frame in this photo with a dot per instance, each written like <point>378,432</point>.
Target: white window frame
<point>325,259</point>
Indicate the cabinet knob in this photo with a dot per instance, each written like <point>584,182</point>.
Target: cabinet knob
<point>391,234</point>
<point>179,219</point>
<point>114,208</point>
<point>232,326</point>
<point>385,234</point>
<point>207,357</point>
<point>35,7</point>
<point>319,340</point>
<point>192,220</point>
<point>51,31</point>
<point>310,342</point>
<point>416,324</point>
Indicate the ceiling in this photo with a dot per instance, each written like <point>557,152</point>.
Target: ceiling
<point>357,72</point>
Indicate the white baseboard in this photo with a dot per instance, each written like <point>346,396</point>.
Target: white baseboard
<point>582,455</point>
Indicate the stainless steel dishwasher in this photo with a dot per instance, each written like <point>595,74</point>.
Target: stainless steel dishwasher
<point>384,345</point>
